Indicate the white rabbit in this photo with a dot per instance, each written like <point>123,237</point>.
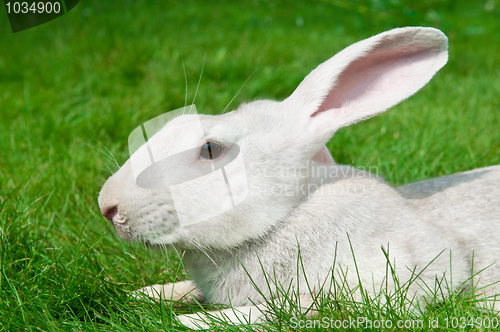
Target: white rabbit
<point>339,213</point>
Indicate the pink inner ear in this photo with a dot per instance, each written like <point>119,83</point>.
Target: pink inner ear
<point>323,156</point>
<point>382,77</point>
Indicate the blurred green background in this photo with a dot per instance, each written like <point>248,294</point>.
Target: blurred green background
<point>88,78</point>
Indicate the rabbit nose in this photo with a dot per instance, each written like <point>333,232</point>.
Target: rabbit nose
<point>109,213</point>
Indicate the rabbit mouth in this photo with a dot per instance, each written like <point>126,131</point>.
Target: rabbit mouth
<point>123,231</point>
<point>121,226</point>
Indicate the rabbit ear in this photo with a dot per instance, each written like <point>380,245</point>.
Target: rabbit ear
<point>368,77</point>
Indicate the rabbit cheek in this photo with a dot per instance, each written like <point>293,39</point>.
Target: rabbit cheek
<point>154,221</point>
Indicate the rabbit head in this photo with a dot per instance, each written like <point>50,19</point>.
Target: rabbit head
<point>231,178</point>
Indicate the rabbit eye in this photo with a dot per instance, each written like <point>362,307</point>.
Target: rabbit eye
<point>210,150</point>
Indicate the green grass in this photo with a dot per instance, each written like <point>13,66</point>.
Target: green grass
<point>93,75</point>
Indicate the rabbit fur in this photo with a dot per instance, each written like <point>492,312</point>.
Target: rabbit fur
<point>338,222</point>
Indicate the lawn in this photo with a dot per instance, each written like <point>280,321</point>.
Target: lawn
<point>74,88</point>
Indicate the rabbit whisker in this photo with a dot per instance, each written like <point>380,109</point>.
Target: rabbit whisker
<point>249,77</point>
<point>185,79</point>
<point>108,154</point>
<point>177,252</point>
<point>206,254</point>
<point>106,165</point>
<point>101,151</point>
<point>199,81</point>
